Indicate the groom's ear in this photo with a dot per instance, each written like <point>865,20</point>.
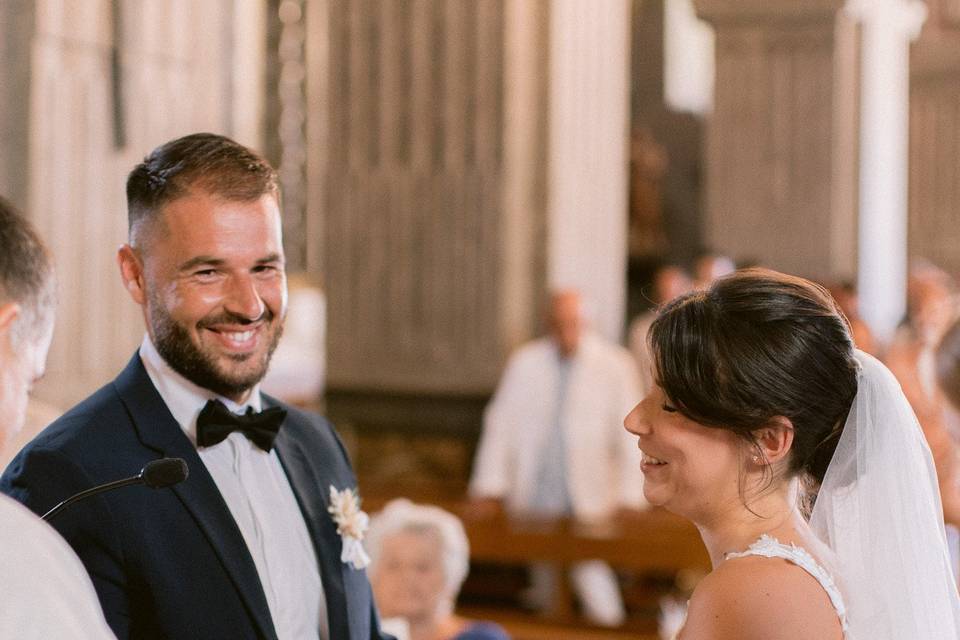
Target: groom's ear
<point>131,272</point>
<point>775,439</point>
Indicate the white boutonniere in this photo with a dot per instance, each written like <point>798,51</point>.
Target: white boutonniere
<point>352,523</point>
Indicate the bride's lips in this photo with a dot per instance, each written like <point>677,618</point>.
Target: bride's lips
<point>651,464</point>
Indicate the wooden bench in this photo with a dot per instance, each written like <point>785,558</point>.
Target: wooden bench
<point>650,541</point>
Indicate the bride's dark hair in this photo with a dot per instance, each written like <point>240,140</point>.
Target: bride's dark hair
<point>756,345</point>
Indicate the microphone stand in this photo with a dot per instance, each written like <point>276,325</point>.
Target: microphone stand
<point>138,479</point>
<point>156,474</point>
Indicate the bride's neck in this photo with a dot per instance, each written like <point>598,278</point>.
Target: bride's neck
<point>734,529</point>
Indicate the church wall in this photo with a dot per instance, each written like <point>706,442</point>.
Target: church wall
<point>175,76</point>
<point>934,181</point>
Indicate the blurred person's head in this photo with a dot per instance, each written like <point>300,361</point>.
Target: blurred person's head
<point>669,282</point>
<point>566,320</point>
<point>710,266</point>
<point>419,558</point>
<point>27,302</point>
<point>205,260</point>
<point>948,365</point>
<point>930,301</point>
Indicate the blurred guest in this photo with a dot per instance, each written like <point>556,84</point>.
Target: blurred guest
<point>419,558</point>
<point>46,592</point>
<point>669,282</point>
<point>710,266</point>
<point>943,427</point>
<point>925,372</point>
<point>845,295</point>
<point>552,444</point>
<point>911,356</point>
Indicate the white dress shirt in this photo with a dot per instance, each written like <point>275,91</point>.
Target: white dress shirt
<point>258,493</point>
<point>45,591</point>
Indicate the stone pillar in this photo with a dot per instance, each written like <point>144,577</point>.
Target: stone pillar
<point>781,148</point>
<point>888,26</point>
<point>589,106</point>
<point>524,251</point>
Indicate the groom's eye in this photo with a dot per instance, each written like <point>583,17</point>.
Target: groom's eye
<point>669,409</point>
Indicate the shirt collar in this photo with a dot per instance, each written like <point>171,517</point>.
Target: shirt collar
<point>183,398</point>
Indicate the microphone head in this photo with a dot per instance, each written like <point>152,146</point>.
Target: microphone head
<point>164,472</point>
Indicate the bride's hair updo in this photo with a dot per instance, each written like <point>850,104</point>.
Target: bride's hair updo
<point>756,345</point>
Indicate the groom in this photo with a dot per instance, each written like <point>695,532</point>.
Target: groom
<point>246,546</point>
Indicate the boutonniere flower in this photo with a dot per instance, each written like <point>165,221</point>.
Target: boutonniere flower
<point>352,523</point>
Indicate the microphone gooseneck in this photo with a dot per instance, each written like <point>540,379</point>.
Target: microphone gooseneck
<point>156,474</point>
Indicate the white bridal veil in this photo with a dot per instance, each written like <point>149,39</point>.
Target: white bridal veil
<point>879,511</point>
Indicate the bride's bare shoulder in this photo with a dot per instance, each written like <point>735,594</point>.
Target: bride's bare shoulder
<point>754,598</point>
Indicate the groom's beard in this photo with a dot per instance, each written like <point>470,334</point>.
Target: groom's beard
<point>201,367</point>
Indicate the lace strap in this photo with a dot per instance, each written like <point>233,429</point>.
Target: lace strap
<point>770,547</point>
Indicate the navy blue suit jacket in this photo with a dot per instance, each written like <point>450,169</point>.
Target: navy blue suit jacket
<point>172,563</point>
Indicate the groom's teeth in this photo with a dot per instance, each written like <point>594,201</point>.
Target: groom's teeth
<point>240,336</point>
<point>648,459</point>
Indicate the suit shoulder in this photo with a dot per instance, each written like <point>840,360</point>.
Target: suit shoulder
<point>308,419</point>
<point>311,429</point>
<point>96,415</point>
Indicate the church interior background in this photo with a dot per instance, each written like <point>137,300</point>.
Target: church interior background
<point>446,163</point>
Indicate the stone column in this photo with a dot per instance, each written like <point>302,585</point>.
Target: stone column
<point>888,26</point>
<point>780,153</point>
<point>589,106</point>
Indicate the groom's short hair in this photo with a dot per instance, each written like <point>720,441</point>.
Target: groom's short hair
<point>26,274</point>
<point>197,163</point>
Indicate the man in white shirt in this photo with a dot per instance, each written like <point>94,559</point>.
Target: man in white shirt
<point>553,441</point>
<point>262,540</point>
<point>45,591</point>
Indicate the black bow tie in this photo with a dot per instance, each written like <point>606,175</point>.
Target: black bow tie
<point>216,422</point>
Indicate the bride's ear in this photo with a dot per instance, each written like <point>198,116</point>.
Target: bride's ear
<point>775,440</point>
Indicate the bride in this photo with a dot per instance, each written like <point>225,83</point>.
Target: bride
<point>763,409</point>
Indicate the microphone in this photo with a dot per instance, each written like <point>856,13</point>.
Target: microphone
<point>156,474</point>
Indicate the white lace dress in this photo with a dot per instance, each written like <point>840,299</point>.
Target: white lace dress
<point>769,547</point>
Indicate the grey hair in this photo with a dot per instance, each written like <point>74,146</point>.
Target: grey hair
<point>26,275</point>
<point>401,515</point>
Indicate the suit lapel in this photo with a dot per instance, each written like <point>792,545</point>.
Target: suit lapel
<point>158,430</point>
<point>311,483</point>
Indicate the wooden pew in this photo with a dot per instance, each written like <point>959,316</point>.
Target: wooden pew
<point>642,541</point>
<point>649,541</point>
